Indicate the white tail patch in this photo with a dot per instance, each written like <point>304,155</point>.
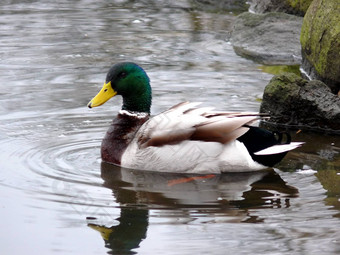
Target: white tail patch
<point>276,149</point>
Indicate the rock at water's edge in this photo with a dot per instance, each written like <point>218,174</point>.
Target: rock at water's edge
<point>271,39</point>
<point>291,100</point>
<point>235,6</point>
<point>320,42</point>
<point>296,7</point>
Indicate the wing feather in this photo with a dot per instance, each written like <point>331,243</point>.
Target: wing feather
<point>185,121</point>
<point>222,130</point>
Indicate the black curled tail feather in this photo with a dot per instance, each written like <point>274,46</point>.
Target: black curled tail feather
<point>280,137</point>
<point>257,139</point>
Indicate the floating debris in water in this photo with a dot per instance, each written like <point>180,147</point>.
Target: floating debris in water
<point>306,170</point>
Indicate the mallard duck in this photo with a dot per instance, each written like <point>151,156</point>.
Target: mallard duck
<point>185,138</point>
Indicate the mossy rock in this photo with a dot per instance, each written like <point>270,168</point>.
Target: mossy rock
<point>299,6</point>
<point>320,42</point>
<point>296,7</point>
<point>293,101</point>
<point>284,89</point>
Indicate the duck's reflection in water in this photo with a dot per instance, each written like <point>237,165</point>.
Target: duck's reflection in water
<point>127,235</point>
<point>227,195</point>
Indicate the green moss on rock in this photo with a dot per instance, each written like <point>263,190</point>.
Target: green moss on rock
<point>296,7</point>
<point>300,6</point>
<point>320,42</point>
<point>279,69</point>
<point>285,88</point>
<point>293,101</point>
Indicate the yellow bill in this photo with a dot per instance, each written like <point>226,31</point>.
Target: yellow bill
<point>104,94</point>
<point>104,231</point>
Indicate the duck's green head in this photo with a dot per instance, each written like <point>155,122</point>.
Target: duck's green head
<point>131,82</point>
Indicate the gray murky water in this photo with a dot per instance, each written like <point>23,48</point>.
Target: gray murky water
<point>55,195</point>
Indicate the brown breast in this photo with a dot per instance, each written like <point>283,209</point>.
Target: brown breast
<point>120,133</point>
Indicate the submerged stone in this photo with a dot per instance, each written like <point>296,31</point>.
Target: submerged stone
<point>279,69</point>
<point>293,101</point>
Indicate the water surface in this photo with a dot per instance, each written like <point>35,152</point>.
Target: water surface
<point>57,196</point>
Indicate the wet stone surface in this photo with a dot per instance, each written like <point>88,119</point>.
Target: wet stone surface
<point>271,38</point>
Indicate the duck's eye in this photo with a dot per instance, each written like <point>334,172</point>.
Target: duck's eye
<point>122,74</point>
<point>105,90</point>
